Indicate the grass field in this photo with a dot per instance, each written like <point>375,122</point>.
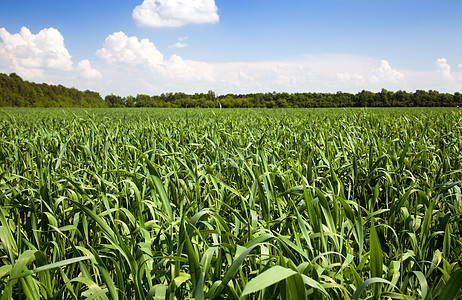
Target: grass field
<point>230,204</point>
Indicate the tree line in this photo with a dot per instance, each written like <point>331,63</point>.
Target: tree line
<point>16,92</point>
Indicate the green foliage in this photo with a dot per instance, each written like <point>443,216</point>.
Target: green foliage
<point>230,204</point>
<point>16,92</point>
<point>299,100</point>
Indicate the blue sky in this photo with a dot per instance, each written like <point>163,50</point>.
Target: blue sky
<point>234,46</point>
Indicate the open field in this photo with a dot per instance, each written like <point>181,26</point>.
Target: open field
<point>229,204</point>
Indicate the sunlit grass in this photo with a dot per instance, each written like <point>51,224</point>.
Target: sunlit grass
<point>210,204</point>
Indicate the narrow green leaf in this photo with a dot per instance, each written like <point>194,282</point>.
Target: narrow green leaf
<point>4,270</point>
<point>163,197</point>
<point>233,269</point>
<point>397,205</point>
<point>313,217</point>
<point>368,282</point>
<point>454,285</point>
<point>266,279</point>
<point>205,262</point>
<point>106,276</point>
<point>314,284</point>
<point>161,292</point>
<point>101,222</point>
<point>447,242</point>
<point>193,260</point>
<point>425,228</point>
<point>376,256</point>
<point>53,265</point>
<point>423,283</point>
<point>97,295</point>
<point>182,278</point>
<point>21,263</point>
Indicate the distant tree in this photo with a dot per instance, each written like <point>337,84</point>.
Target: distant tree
<point>114,101</point>
<point>16,92</point>
<point>365,98</point>
<point>129,101</point>
<point>143,101</point>
<point>457,99</point>
<point>211,96</point>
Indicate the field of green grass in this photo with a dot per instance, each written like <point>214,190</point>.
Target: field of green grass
<point>230,204</point>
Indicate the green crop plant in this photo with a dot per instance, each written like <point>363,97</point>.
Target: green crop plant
<point>230,204</point>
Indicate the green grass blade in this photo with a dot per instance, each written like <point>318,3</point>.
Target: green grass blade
<point>368,282</point>
<point>266,279</point>
<point>453,286</point>
<point>233,269</point>
<point>376,254</point>
<point>53,266</point>
<point>314,284</point>
<point>163,196</point>
<point>423,283</point>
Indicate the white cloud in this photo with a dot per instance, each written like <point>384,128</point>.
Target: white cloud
<point>355,78</point>
<point>175,13</point>
<point>29,54</point>
<point>129,58</point>
<point>386,73</point>
<point>131,65</point>
<point>443,68</point>
<point>372,77</point>
<point>178,45</point>
<point>321,73</point>
<point>446,78</point>
<point>87,71</point>
<point>119,48</point>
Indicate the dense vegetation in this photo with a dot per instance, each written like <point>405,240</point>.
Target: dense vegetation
<point>16,92</point>
<point>296,100</point>
<point>229,204</point>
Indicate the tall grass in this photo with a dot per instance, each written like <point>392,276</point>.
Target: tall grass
<point>234,204</point>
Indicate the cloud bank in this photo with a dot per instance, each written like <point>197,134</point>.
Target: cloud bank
<point>30,54</point>
<point>127,65</point>
<point>43,57</point>
<point>175,13</point>
<point>319,73</point>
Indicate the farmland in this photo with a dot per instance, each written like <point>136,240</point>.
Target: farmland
<point>213,204</point>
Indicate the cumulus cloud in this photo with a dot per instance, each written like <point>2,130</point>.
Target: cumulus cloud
<point>175,13</point>
<point>373,77</point>
<point>86,70</point>
<point>140,56</point>
<point>28,54</point>
<point>386,73</point>
<point>119,48</point>
<point>443,68</point>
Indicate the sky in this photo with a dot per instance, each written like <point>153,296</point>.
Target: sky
<point>130,47</point>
